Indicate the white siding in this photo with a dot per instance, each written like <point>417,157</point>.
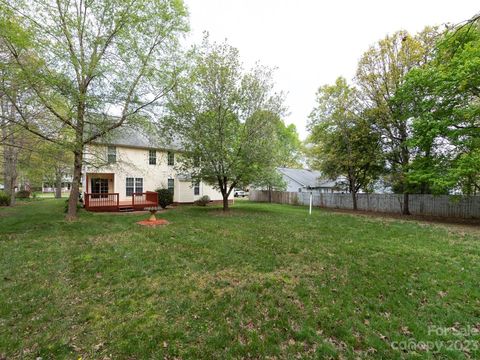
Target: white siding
<point>133,162</point>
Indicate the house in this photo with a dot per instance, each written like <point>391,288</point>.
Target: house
<point>123,171</point>
<point>49,187</point>
<point>301,180</point>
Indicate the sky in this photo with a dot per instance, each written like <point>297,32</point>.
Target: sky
<point>311,43</point>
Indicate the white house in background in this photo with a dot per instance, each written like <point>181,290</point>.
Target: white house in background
<point>49,187</point>
<point>305,180</point>
<point>131,162</point>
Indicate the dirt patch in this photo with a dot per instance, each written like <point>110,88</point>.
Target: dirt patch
<point>454,224</point>
<point>153,223</point>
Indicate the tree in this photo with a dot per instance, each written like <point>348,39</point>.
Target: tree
<point>443,98</point>
<point>11,149</point>
<point>286,151</point>
<point>289,146</point>
<point>47,162</point>
<point>381,71</point>
<point>342,140</point>
<point>82,60</point>
<point>225,118</point>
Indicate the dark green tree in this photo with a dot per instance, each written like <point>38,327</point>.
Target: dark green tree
<point>443,98</point>
<point>381,72</point>
<point>342,142</point>
<point>225,119</point>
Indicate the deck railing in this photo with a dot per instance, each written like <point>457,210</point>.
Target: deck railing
<point>111,201</point>
<point>149,198</point>
<point>101,200</point>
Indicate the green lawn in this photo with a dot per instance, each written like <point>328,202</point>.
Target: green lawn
<point>266,281</point>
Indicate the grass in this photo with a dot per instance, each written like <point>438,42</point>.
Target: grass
<point>266,281</point>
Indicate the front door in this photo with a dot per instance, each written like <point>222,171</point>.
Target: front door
<point>99,186</point>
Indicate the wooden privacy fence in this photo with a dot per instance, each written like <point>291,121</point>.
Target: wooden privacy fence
<point>441,205</point>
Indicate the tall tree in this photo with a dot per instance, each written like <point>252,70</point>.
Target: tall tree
<point>83,61</point>
<point>342,141</point>
<point>46,162</point>
<point>12,145</point>
<point>225,118</point>
<point>381,71</point>
<point>444,103</point>
<point>289,146</point>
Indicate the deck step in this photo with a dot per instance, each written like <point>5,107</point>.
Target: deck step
<point>125,208</point>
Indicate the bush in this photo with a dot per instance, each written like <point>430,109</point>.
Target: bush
<point>165,197</point>
<point>4,199</point>
<point>203,201</point>
<point>22,194</point>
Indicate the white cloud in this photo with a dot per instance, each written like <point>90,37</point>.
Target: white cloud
<point>313,42</point>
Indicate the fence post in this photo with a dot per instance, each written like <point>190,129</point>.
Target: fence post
<point>311,200</point>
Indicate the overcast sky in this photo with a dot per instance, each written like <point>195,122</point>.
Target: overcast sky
<point>313,42</point>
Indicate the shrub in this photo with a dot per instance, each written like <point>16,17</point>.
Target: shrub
<point>22,194</point>
<point>165,197</point>
<point>203,201</point>
<point>4,199</point>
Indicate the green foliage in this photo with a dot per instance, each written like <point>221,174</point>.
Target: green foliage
<point>203,201</point>
<point>72,59</point>
<point>289,147</point>
<point>342,141</point>
<point>381,72</point>
<point>224,116</point>
<point>4,199</point>
<point>269,179</point>
<point>165,197</point>
<point>444,102</point>
<point>22,194</point>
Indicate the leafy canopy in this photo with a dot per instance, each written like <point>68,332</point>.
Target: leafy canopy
<point>226,118</point>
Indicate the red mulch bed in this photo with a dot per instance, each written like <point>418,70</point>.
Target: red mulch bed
<point>157,222</point>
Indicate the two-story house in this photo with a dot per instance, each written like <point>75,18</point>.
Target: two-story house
<point>122,171</point>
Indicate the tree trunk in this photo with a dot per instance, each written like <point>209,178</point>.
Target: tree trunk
<point>269,194</point>
<point>9,173</point>
<point>10,157</point>
<point>75,190</point>
<point>225,202</point>
<point>354,200</point>
<point>58,184</point>
<point>406,209</point>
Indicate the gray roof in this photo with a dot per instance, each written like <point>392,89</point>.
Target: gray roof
<point>138,137</point>
<point>307,178</point>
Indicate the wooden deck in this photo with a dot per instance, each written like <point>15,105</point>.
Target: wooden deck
<point>110,202</point>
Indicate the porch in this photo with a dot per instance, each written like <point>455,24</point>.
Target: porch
<point>110,202</point>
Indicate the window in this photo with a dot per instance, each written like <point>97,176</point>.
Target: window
<point>152,157</point>
<point>99,186</point>
<point>171,158</point>
<point>139,185</point>
<point>129,186</point>
<point>171,185</point>
<point>133,185</point>
<point>196,188</point>
<point>112,155</point>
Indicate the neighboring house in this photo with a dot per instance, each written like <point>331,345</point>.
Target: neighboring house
<point>49,187</point>
<point>130,165</point>
<point>305,180</point>
<point>2,187</point>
